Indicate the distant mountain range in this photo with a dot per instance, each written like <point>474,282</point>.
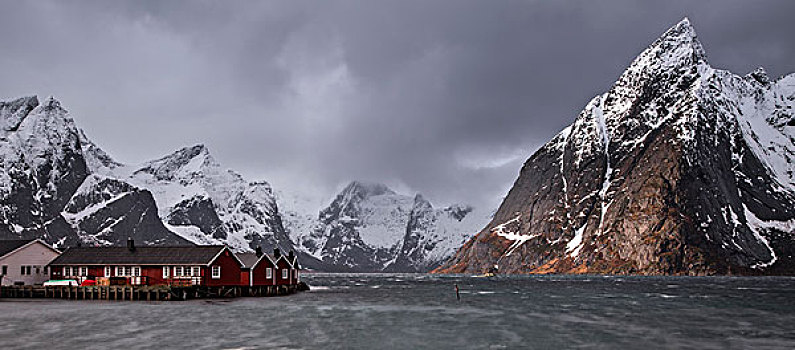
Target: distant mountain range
<point>58,185</point>
<point>357,231</point>
<point>679,168</point>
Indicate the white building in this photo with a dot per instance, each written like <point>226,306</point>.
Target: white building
<point>25,261</point>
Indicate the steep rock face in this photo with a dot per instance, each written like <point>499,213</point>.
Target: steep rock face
<point>198,211</point>
<point>433,235</point>
<point>44,168</point>
<point>678,169</point>
<point>369,227</point>
<point>106,211</point>
<point>42,164</point>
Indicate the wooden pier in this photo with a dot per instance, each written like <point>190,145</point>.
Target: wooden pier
<point>143,293</point>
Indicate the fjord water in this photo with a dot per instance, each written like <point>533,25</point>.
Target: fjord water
<point>384,311</point>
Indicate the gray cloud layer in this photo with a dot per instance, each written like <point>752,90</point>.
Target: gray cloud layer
<point>447,98</point>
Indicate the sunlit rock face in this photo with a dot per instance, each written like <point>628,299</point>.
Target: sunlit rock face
<point>679,168</point>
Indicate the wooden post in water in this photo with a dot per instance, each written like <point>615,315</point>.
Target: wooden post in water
<point>457,294</point>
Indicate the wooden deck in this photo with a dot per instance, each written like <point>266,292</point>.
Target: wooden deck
<point>143,293</point>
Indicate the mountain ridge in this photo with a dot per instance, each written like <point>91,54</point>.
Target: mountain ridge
<point>676,169</point>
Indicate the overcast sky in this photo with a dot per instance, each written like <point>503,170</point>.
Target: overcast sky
<point>446,98</point>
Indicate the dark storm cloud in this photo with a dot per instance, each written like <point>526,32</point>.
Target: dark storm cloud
<point>447,98</point>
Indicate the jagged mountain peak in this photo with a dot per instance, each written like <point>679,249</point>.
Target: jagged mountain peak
<point>51,103</point>
<point>25,102</point>
<point>421,202</point>
<point>13,112</point>
<point>678,169</point>
<point>681,40</point>
<point>676,52</point>
<point>367,189</point>
<point>192,159</point>
<point>760,75</point>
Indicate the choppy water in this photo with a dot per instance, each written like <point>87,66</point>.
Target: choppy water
<point>421,312</point>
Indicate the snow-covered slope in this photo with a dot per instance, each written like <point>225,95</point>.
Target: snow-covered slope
<point>679,168</point>
<point>369,227</point>
<point>46,191</point>
<point>200,200</point>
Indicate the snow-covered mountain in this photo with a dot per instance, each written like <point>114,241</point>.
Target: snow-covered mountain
<point>679,168</point>
<point>369,227</point>
<point>58,185</point>
<point>46,190</point>
<point>200,200</point>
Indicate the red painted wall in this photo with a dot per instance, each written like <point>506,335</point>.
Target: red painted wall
<point>230,271</point>
<point>283,264</point>
<point>244,277</point>
<point>260,273</point>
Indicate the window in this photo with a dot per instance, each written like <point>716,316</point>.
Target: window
<point>136,271</point>
<point>165,271</point>
<point>216,272</point>
<point>22,270</point>
<point>196,271</point>
<point>5,270</point>
<point>83,271</point>
<point>125,271</point>
<point>64,271</point>
<point>107,271</point>
<point>285,274</point>
<point>178,271</point>
<point>269,273</point>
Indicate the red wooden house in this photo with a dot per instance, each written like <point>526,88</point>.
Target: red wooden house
<point>287,268</point>
<point>266,270</point>
<point>190,265</point>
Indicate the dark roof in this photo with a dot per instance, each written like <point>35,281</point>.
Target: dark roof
<point>197,255</point>
<point>10,245</point>
<point>249,259</point>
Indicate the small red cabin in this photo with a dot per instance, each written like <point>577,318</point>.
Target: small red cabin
<point>269,270</point>
<point>191,265</point>
<point>287,269</point>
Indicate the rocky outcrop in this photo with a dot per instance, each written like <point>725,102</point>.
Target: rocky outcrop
<point>678,169</point>
<point>106,211</point>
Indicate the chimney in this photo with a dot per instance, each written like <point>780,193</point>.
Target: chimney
<point>258,251</point>
<point>130,244</point>
<point>277,253</point>
<point>291,255</point>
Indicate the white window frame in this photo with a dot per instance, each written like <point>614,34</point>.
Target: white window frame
<point>166,271</point>
<point>269,273</point>
<point>195,271</point>
<point>136,271</point>
<point>285,274</point>
<point>216,272</point>
<point>179,271</point>
<point>83,271</point>
<point>107,271</point>
<point>64,271</point>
